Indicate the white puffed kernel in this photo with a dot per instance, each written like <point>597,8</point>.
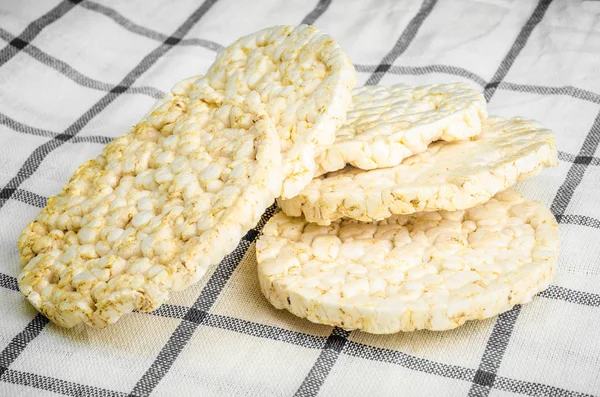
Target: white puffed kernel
<point>326,247</point>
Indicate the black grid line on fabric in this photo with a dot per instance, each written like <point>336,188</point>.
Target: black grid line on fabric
<point>319,9</point>
<point>99,139</point>
<point>580,220</point>
<point>146,32</point>
<point>74,75</point>
<point>8,282</point>
<point>26,129</point>
<point>33,29</point>
<point>422,70</point>
<point>534,389</point>
<point>195,316</point>
<point>577,171</point>
<point>515,49</point>
<point>407,361</point>
<point>241,326</point>
<point>494,352</point>
<point>38,155</point>
<point>571,158</point>
<point>496,345</point>
<point>403,42</point>
<point>251,236</point>
<point>567,90</point>
<point>571,296</point>
<point>30,198</point>
<point>265,331</point>
<point>170,311</point>
<point>320,370</point>
<point>20,342</point>
<point>56,385</point>
<point>478,390</point>
<point>23,128</point>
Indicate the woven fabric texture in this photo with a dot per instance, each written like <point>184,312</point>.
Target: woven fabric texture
<point>76,74</point>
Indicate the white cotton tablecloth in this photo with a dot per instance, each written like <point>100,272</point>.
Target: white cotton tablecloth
<point>75,74</point>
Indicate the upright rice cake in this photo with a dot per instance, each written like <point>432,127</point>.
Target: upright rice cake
<point>385,125</point>
<point>153,212</point>
<point>429,270</point>
<point>447,176</point>
<point>305,81</point>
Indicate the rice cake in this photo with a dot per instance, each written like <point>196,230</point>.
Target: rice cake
<point>153,212</point>
<point>429,270</point>
<point>447,176</point>
<point>305,81</point>
<point>388,124</point>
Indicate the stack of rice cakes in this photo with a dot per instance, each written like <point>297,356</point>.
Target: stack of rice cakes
<point>421,230</point>
<point>397,212</point>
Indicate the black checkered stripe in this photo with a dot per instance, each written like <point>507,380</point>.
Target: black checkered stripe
<point>483,379</point>
<point>337,343</point>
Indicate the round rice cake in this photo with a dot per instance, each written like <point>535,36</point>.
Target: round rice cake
<point>429,270</point>
<point>385,125</point>
<point>447,176</point>
<point>153,212</point>
<point>305,81</point>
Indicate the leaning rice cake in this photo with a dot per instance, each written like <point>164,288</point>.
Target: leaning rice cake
<point>153,212</point>
<point>305,82</point>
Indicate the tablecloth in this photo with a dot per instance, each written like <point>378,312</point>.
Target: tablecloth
<point>75,74</point>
